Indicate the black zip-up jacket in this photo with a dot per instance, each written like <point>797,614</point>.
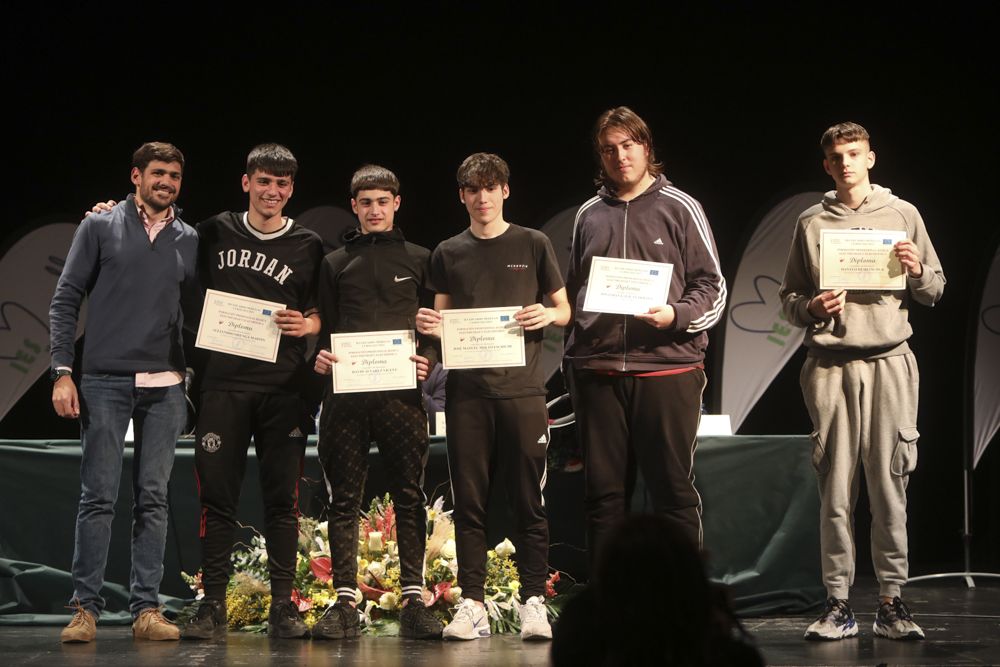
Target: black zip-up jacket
<point>663,224</point>
<point>376,282</point>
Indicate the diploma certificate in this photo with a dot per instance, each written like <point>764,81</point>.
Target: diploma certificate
<point>626,286</point>
<point>481,338</point>
<point>373,361</point>
<point>860,259</point>
<point>239,325</point>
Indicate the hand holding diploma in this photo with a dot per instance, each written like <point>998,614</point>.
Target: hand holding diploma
<point>909,256</point>
<point>660,317</point>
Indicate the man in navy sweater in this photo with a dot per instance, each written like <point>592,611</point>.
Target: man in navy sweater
<point>133,263</point>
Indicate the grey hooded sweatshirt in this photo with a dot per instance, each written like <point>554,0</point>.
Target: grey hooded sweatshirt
<point>874,323</point>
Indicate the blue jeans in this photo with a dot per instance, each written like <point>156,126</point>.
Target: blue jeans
<point>107,402</point>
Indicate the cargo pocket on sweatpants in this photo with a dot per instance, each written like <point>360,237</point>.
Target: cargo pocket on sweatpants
<point>904,458</point>
<point>820,461</point>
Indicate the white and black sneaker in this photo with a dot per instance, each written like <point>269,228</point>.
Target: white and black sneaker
<point>893,620</point>
<point>836,622</point>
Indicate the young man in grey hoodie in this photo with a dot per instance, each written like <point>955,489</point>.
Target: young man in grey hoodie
<point>860,381</point>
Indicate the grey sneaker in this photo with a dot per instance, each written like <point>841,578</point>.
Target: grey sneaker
<point>470,622</point>
<point>836,622</point>
<point>893,620</point>
<point>535,619</point>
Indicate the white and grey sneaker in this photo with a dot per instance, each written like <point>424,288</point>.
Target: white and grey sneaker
<point>534,619</point>
<point>470,622</point>
<point>893,620</point>
<point>836,622</point>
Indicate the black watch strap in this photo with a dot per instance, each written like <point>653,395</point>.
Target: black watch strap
<point>56,373</point>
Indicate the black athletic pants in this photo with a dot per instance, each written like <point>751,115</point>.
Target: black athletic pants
<point>278,424</point>
<point>396,421</point>
<point>626,421</point>
<point>482,432</point>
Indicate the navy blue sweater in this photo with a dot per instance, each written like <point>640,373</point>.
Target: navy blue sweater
<point>134,291</point>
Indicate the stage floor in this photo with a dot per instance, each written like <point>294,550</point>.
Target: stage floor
<point>962,626</point>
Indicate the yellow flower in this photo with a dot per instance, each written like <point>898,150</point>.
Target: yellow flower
<point>388,601</point>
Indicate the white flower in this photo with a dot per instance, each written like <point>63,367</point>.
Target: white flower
<point>359,597</point>
<point>262,558</point>
<point>323,529</point>
<point>453,595</point>
<point>448,549</point>
<point>388,601</point>
<point>391,548</point>
<point>375,541</point>
<point>376,569</point>
<point>505,548</point>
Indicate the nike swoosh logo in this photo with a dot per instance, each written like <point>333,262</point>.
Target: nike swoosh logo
<point>399,280</point>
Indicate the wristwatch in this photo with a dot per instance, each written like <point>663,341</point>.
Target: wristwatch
<point>56,373</point>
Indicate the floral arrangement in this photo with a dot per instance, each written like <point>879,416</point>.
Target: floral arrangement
<point>379,594</point>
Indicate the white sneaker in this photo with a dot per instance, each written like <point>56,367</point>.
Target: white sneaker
<point>836,622</point>
<point>893,620</point>
<point>470,622</point>
<point>535,619</point>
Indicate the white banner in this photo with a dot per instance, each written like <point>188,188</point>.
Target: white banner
<point>759,341</point>
<point>29,271</point>
<point>986,401</point>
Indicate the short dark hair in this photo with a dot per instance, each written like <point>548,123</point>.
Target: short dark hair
<point>374,177</point>
<point>156,150</point>
<point>272,159</point>
<point>481,170</point>
<point>630,123</point>
<point>842,133</point>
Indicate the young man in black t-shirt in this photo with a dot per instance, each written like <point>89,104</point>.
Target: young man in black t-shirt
<point>261,254</point>
<point>497,414</point>
<point>375,282</point>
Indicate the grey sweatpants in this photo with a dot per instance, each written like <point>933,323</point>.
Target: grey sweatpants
<point>863,412</point>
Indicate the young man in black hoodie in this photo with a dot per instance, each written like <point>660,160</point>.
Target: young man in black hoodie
<point>376,282</point>
<point>638,379</point>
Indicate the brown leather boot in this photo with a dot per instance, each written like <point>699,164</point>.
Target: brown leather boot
<point>151,625</point>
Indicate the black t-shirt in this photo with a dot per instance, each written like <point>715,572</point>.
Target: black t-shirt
<point>282,266</point>
<point>516,268</point>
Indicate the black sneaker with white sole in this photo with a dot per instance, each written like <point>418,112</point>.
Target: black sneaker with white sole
<point>209,621</point>
<point>284,622</point>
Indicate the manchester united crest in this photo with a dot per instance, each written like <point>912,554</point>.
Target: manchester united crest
<point>211,442</point>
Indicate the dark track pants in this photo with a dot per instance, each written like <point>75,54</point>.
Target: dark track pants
<point>651,423</point>
<point>483,432</point>
<point>278,424</point>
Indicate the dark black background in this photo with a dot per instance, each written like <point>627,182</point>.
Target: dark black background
<point>737,95</point>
